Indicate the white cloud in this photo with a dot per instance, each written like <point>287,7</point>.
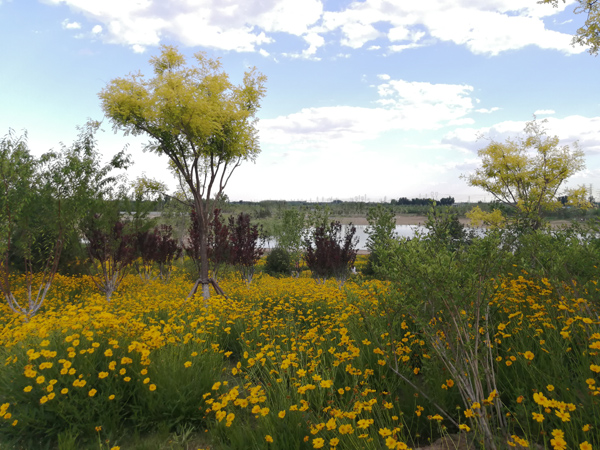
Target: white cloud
<point>487,110</point>
<point>541,112</point>
<point>263,52</point>
<point>70,25</point>
<point>97,29</point>
<point>402,105</point>
<point>489,27</point>
<point>383,76</point>
<point>585,130</point>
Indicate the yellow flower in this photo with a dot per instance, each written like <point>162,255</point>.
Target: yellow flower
<point>111,397</point>
<point>333,442</point>
<point>595,368</point>
<point>116,447</point>
<point>537,417</point>
<point>528,355</point>
<point>216,386</point>
<point>281,414</point>
<point>102,375</point>
<point>385,432</point>
<point>318,442</point>
<point>268,438</point>
<point>464,427</point>
<point>40,379</point>
<point>586,427</point>
<point>585,446</point>
<point>64,391</point>
<point>346,429</point>
<point>550,388</point>
<point>92,392</point>
<point>187,364</point>
<point>27,389</point>
<point>390,442</point>
<point>152,387</point>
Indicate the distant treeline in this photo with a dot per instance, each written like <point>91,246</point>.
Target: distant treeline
<point>446,201</point>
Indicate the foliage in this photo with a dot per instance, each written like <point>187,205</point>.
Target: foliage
<point>328,254</point>
<point>446,291</point>
<point>446,201</point>
<point>527,174</point>
<point>589,34</point>
<point>196,117</point>
<point>289,232</point>
<point>246,242</point>
<point>301,363</point>
<point>43,207</point>
<point>144,192</point>
<point>111,253</point>
<point>381,232</point>
<point>278,262</point>
<point>156,247</point>
<point>443,226</point>
<point>219,245</point>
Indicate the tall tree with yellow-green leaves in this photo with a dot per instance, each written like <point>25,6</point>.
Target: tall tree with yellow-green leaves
<point>526,174</point>
<point>194,115</point>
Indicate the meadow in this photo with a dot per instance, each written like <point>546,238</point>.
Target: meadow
<point>288,363</point>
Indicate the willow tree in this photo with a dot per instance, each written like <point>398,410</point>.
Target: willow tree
<point>527,174</point>
<point>194,115</point>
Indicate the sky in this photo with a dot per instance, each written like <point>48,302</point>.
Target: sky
<point>366,100</point>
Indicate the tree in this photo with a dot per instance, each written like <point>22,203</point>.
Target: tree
<point>332,254</point>
<point>111,253</point>
<point>246,245</point>
<point>42,204</point>
<point>589,33</point>
<point>196,117</point>
<point>381,232</point>
<point>288,234</point>
<point>527,174</point>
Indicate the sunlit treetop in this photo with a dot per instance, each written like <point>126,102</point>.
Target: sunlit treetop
<point>528,173</point>
<point>193,113</point>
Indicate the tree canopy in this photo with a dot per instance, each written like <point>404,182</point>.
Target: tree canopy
<point>527,173</point>
<point>195,116</point>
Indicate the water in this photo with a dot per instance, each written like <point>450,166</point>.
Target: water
<point>361,232</point>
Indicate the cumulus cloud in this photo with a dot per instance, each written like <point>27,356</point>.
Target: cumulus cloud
<point>489,27</point>
<point>401,105</point>
<point>543,112</point>
<point>487,110</point>
<point>97,29</point>
<point>70,25</point>
<point>584,130</point>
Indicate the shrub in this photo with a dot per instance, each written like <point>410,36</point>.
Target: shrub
<point>279,262</point>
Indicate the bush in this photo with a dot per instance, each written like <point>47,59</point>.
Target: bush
<point>279,262</point>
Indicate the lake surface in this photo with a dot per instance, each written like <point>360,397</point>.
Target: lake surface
<point>361,232</point>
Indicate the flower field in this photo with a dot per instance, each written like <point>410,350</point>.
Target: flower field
<point>286,363</point>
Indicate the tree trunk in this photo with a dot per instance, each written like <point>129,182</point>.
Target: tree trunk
<point>202,214</point>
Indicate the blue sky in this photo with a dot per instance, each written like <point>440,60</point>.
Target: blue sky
<point>376,99</point>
